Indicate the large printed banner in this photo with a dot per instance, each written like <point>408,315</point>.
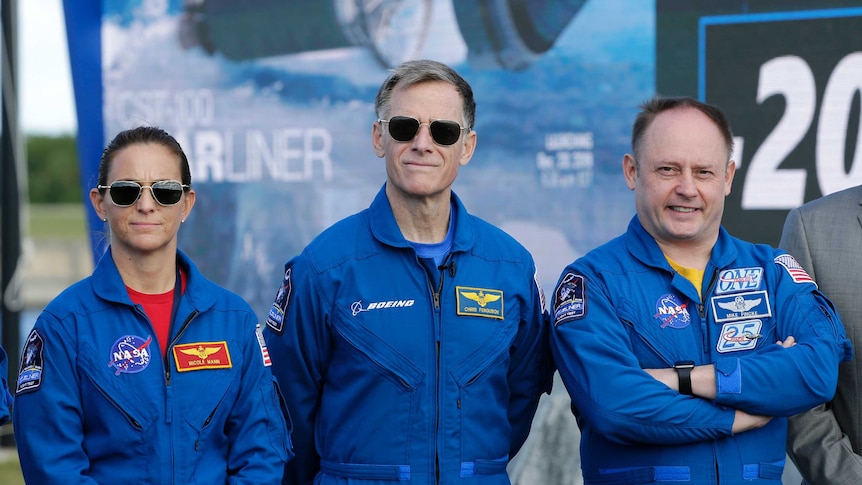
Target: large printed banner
<point>273,102</point>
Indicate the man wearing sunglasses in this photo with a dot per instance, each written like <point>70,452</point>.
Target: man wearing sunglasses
<point>411,338</point>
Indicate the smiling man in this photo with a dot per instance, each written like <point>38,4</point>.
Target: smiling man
<point>683,348</point>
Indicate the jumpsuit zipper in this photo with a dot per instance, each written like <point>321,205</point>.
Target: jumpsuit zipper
<point>174,341</point>
<point>704,322</point>
<point>701,309</point>
<point>438,338</point>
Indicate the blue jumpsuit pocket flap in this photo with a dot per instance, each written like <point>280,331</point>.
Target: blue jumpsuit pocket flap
<point>621,476</point>
<point>484,467</point>
<point>364,471</point>
<point>383,355</point>
<point>769,471</point>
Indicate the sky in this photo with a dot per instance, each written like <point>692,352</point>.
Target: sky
<point>47,104</point>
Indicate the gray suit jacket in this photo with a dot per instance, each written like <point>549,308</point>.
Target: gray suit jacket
<point>825,236</point>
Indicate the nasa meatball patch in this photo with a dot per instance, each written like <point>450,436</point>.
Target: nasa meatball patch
<point>570,299</point>
<point>130,354</point>
<point>671,311</point>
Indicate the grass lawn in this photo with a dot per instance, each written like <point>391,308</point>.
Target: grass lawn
<point>10,471</point>
<point>58,221</point>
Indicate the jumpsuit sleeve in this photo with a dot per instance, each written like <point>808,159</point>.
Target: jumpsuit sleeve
<point>531,372</point>
<point>6,398</point>
<point>298,342</point>
<point>782,382</point>
<point>606,383</point>
<point>50,450</point>
<point>258,424</point>
<point>815,440</point>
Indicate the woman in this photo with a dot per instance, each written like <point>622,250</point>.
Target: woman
<point>147,372</point>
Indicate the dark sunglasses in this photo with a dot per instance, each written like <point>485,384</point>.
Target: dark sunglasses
<point>126,192</point>
<point>404,128</point>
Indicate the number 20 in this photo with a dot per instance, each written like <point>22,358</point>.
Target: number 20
<point>768,187</point>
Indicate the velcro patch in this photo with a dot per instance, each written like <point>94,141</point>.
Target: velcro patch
<point>671,311</point>
<point>739,279</point>
<point>541,291</point>
<point>570,299</point>
<point>30,370</point>
<point>275,319</point>
<point>737,336</point>
<point>794,269</point>
<point>479,302</point>
<point>202,355</point>
<point>264,352</point>
<point>739,306</point>
<point>130,354</point>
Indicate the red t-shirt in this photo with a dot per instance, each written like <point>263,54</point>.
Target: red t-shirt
<point>158,308</point>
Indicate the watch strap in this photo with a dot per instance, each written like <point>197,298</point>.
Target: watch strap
<point>683,371</point>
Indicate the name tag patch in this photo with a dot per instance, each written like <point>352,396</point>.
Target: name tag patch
<point>479,302</point>
<point>737,336</point>
<point>202,355</point>
<point>739,306</point>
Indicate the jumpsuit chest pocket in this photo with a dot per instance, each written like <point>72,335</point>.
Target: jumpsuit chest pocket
<point>493,353</point>
<point>658,339</point>
<point>374,350</point>
<point>105,389</point>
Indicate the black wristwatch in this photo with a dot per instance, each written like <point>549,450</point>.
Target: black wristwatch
<point>683,371</point>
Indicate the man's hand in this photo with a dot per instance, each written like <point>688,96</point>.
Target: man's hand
<point>743,421</point>
<point>787,343</point>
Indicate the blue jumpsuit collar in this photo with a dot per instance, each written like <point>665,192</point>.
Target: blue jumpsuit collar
<point>108,284</point>
<point>385,229</point>
<point>644,247</point>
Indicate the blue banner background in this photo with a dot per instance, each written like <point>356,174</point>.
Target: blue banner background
<point>280,142</point>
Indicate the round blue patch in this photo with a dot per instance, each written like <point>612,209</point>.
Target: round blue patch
<point>130,354</point>
<point>670,311</point>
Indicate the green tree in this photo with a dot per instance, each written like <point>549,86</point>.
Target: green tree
<point>52,169</point>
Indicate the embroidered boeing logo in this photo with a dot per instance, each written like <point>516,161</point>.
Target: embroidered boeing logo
<point>356,307</point>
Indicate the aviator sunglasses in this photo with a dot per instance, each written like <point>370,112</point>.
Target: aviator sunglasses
<point>126,192</point>
<point>404,128</point>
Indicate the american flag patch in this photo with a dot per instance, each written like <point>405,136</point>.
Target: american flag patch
<point>264,352</point>
<point>794,269</point>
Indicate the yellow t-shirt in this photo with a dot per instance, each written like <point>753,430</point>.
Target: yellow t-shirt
<point>691,274</point>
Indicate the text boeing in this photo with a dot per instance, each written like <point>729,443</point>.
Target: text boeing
<point>357,307</point>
